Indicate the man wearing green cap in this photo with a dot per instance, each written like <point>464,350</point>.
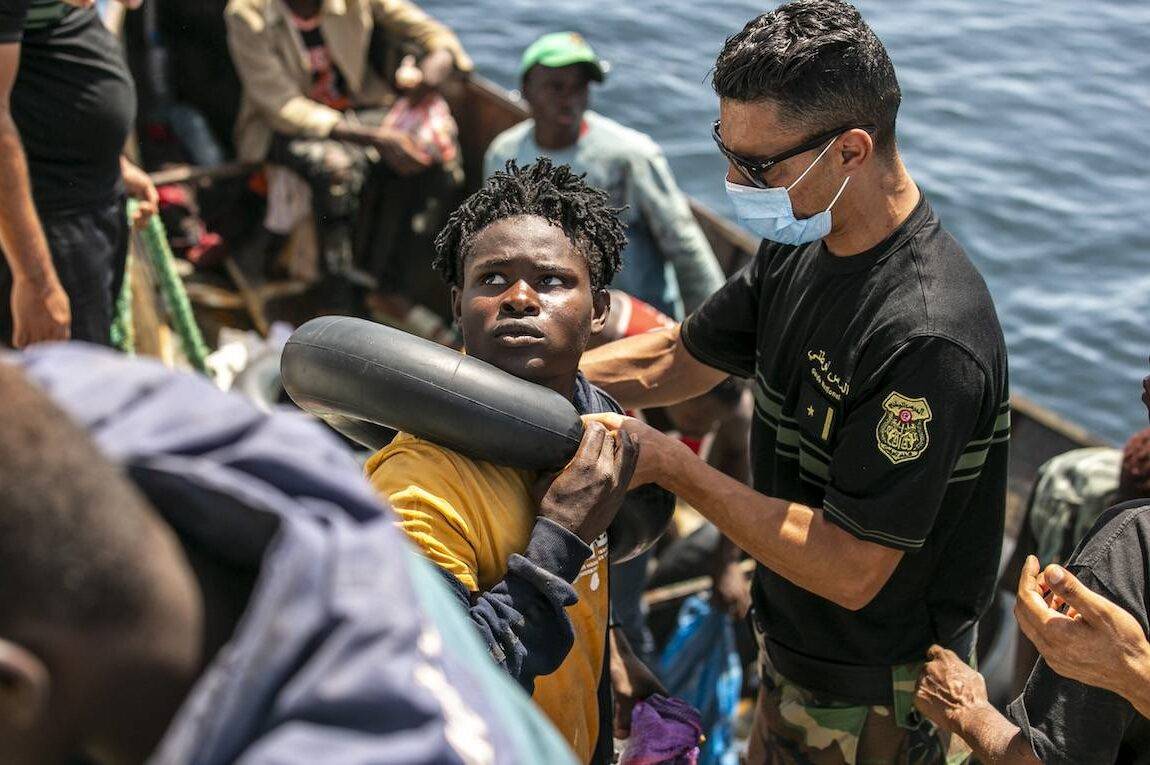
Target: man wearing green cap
<point>667,262</point>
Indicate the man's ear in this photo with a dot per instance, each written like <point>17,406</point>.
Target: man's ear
<point>456,305</point>
<point>526,86</point>
<point>601,307</point>
<point>855,148</point>
<point>24,687</point>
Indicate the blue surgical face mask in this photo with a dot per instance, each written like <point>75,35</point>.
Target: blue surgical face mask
<point>767,212</point>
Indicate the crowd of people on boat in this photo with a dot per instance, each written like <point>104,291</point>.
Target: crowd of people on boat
<point>187,577</point>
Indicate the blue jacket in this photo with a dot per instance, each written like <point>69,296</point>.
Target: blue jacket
<point>337,658</point>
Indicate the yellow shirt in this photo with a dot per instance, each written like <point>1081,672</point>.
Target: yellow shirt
<point>469,517</point>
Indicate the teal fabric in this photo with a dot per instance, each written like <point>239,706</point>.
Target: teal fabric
<point>668,262</point>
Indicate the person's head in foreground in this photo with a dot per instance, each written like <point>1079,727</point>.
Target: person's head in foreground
<point>556,72</point>
<point>101,621</point>
<point>808,100</point>
<point>529,257</point>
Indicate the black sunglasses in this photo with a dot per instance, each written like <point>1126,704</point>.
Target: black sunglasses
<point>753,169</point>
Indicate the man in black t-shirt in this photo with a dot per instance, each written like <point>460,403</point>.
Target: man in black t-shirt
<point>879,370</point>
<point>67,103</point>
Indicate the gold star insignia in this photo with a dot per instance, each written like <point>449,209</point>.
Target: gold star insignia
<point>810,411</point>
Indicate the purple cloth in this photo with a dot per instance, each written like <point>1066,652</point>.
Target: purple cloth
<point>663,730</point>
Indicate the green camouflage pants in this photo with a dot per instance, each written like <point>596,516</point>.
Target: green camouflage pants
<point>793,726</point>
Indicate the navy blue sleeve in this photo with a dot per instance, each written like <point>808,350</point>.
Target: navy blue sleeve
<point>523,618</point>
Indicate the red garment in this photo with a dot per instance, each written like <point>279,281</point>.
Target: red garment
<point>630,316</point>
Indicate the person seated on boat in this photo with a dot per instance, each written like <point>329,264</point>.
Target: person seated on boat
<point>1072,490</point>
<point>194,87</point>
<point>184,578</point>
<point>528,258</point>
<point>1088,697</point>
<point>716,426</point>
<point>67,103</point>
<point>323,98</point>
<point>670,264</point>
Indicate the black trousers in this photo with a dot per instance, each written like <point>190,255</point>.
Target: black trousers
<point>89,250</point>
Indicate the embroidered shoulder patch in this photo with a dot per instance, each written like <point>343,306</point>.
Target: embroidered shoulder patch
<point>901,433</point>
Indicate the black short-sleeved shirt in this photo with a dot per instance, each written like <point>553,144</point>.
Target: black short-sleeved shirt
<point>881,394</point>
<point>73,103</point>
<point>1067,721</point>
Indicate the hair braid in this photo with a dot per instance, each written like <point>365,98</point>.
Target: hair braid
<point>552,192</point>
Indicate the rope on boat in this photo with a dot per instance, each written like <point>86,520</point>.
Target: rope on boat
<point>123,327</point>
<point>154,241</point>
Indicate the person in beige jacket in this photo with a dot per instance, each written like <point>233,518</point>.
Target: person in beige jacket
<point>318,82</point>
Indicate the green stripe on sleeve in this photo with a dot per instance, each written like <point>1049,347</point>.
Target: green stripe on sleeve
<point>971,460</point>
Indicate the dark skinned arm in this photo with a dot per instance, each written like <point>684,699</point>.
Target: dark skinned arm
<point>631,680</point>
<point>953,696</point>
<point>1093,641</point>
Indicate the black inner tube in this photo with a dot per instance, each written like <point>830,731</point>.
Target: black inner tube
<point>366,379</point>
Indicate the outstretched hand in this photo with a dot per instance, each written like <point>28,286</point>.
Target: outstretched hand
<point>730,590</point>
<point>1081,634</point>
<point>400,151</point>
<point>948,688</point>
<point>140,187</point>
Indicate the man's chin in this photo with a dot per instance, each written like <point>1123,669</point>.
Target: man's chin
<point>533,362</point>
<point>528,367</point>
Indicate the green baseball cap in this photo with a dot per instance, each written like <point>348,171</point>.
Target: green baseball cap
<point>563,49</point>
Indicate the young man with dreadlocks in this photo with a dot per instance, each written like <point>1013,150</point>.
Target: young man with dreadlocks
<point>528,258</point>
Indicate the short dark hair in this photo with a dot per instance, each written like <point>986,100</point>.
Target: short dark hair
<point>819,63</point>
<point>552,192</point>
<point>1134,478</point>
<point>70,522</point>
